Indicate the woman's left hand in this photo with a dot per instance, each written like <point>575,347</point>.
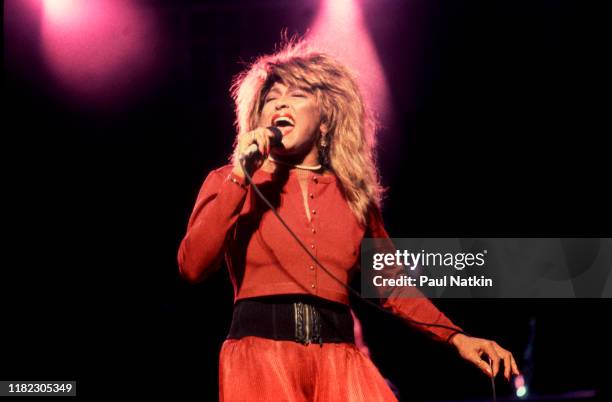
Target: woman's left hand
<point>472,349</point>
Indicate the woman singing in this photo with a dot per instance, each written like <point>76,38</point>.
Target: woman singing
<point>291,337</point>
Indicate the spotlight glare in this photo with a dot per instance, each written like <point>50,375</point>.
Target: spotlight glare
<point>340,29</point>
<point>98,50</point>
<point>59,9</point>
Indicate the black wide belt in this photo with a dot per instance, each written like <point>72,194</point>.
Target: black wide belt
<point>298,318</point>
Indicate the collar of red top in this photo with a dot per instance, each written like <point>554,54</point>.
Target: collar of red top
<point>321,178</point>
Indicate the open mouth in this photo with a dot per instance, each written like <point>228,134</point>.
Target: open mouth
<point>285,123</point>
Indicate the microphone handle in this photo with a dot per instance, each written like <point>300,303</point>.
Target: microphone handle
<point>252,149</point>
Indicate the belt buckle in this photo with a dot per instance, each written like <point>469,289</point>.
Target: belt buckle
<point>307,323</point>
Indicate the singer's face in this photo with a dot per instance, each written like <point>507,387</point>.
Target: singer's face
<point>296,113</point>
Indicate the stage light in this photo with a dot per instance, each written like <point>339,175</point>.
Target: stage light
<point>98,50</point>
<point>519,386</point>
<point>59,9</point>
<point>339,28</point>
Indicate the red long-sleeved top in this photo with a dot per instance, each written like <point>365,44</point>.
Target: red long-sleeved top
<point>262,257</point>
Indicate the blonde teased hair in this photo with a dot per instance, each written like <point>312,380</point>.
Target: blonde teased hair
<point>351,127</point>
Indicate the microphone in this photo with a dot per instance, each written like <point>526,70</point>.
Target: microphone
<point>253,150</point>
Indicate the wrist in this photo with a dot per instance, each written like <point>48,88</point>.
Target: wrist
<point>457,338</point>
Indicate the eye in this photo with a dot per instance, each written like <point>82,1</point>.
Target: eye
<point>299,94</point>
<point>269,99</point>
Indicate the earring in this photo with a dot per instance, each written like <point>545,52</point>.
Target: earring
<point>324,152</point>
<point>323,142</point>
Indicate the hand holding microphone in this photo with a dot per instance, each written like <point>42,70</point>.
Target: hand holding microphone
<point>254,146</point>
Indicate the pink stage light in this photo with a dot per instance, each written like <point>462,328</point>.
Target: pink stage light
<point>60,9</point>
<point>99,50</point>
<point>340,30</point>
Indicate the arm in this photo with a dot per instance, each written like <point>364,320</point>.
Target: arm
<point>216,210</point>
<point>413,306</point>
<point>409,304</point>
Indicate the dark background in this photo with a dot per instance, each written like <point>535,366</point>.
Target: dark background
<point>497,131</point>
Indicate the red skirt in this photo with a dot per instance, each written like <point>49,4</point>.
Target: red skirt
<point>258,369</point>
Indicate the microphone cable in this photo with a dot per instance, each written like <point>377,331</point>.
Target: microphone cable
<point>492,381</point>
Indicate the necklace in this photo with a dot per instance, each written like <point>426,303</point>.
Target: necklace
<point>305,167</point>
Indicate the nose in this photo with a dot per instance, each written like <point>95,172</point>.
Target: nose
<point>281,104</point>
